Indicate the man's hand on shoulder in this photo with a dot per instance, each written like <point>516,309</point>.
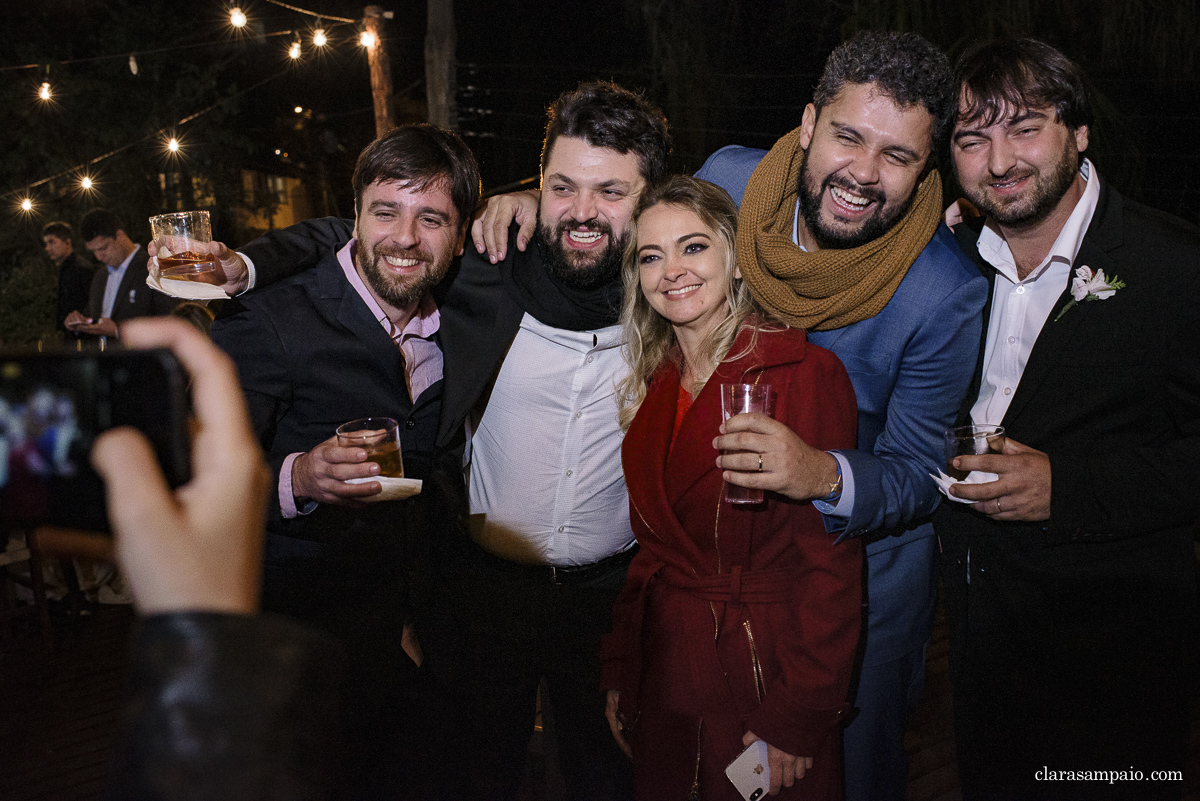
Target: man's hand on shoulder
<point>235,275</point>
<point>489,229</point>
<point>1022,491</point>
<point>321,474</point>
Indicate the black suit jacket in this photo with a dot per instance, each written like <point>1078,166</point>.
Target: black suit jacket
<point>134,297</point>
<point>311,356</point>
<point>75,277</point>
<point>479,318</point>
<point>1111,391</point>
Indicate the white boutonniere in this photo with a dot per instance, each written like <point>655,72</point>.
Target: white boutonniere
<point>1088,285</point>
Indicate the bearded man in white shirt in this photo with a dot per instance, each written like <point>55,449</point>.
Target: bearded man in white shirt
<point>1071,586</point>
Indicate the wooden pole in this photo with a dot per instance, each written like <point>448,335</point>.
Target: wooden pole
<point>440,79</point>
<point>381,72</point>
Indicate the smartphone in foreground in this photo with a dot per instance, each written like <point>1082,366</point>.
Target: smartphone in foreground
<point>750,773</point>
<point>52,407</point>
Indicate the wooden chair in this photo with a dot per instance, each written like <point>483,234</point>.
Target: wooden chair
<point>15,553</point>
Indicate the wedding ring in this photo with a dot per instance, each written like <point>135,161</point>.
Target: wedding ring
<point>760,463</point>
<point>998,509</point>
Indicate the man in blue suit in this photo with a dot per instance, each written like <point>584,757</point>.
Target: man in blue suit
<point>839,233</point>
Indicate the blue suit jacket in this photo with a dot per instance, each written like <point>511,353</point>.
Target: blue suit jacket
<point>910,366</point>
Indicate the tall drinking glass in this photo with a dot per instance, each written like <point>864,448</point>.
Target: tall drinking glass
<point>740,399</point>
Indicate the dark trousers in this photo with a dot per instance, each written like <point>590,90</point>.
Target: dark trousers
<point>1060,664</point>
<point>496,630</point>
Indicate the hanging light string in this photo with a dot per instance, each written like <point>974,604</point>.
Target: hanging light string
<point>299,10</point>
<point>28,189</point>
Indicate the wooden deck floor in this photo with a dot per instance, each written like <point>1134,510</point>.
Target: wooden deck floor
<point>58,714</point>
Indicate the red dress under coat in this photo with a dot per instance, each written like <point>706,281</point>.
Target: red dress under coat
<point>734,618</point>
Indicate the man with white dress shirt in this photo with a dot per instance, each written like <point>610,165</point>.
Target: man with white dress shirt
<point>1071,587</point>
<point>118,292</point>
<point>520,585</point>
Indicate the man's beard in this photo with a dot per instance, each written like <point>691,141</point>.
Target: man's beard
<point>873,227</point>
<point>401,292</point>
<point>1035,205</point>
<point>576,269</point>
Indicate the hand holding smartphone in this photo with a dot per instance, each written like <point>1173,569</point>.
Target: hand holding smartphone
<point>52,407</point>
<point>750,773</point>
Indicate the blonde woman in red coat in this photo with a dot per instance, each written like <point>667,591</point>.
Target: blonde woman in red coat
<point>736,622</point>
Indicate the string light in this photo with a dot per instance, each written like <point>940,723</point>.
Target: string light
<point>26,205</point>
<point>368,39</point>
<point>173,145</point>
<point>237,18</point>
<point>319,38</point>
<point>298,109</point>
<point>294,51</point>
<point>44,92</point>
<point>85,183</point>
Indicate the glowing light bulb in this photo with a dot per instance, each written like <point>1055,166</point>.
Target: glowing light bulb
<point>26,205</point>
<point>173,145</point>
<point>298,109</point>
<point>319,38</point>
<point>367,39</point>
<point>44,92</point>
<point>237,18</point>
<point>294,51</point>
<point>86,182</point>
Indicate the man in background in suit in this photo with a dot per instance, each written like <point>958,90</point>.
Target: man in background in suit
<point>1071,586</point>
<point>75,273</point>
<point>358,336</point>
<point>119,292</point>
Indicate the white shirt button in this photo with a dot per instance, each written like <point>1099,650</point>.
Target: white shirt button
<point>591,359</point>
<point>561,529</point>
<point>1011,340</point>
<point>1008,390</point>
<point>570,473</point>
<point>1020,290</point>
<point>578,415</point>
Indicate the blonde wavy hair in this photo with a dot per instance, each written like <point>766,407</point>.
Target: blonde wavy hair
<point>649,337</point>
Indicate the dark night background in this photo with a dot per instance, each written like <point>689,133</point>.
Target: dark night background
<point>737,71</point>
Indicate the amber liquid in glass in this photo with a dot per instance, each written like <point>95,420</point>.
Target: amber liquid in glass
<point>387,456</point>
<point>188,266</point>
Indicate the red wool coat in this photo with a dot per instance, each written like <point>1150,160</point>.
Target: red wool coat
<point>734,618</point>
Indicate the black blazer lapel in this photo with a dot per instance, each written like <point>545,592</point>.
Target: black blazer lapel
<point>339,299</point>
<point>1057,338</point>
<point>479,323</point>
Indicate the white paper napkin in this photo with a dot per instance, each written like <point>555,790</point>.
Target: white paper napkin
<point>944,482</point>
<point>394,489</point>
<point>188,290</point>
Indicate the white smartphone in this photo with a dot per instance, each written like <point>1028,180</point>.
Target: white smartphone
<point>750,773</point>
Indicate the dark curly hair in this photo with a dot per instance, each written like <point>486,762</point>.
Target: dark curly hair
<point>606,115</point>
<point>422,154</point>
<point>1010,75</point>
<point>906,67</point>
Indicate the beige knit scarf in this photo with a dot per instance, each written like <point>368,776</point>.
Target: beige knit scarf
<point>827,288</point>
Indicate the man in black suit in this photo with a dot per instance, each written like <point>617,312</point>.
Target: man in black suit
<point>358,336</point>
<point>119,292</point>
<point>1071,586</point>
<point>75,273</point>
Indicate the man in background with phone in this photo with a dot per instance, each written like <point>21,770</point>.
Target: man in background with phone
<point>356,337</point>
<point>118,292</point>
